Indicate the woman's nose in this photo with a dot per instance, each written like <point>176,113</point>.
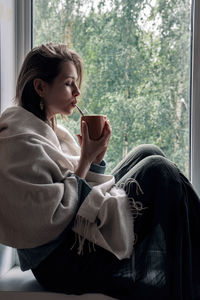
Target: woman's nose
<point>76,91</point>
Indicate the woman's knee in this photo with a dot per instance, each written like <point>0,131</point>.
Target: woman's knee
<point>145,150</point>
<point>134,157</point>
<point>159,168</point>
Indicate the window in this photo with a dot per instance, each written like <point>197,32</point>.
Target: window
<point>43,21</point>
<point>137,67</point>
<point>23,44</point>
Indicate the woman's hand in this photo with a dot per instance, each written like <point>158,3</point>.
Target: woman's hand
<point>92,151</point>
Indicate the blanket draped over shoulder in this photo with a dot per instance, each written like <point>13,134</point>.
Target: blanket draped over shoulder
<point>39,191</point>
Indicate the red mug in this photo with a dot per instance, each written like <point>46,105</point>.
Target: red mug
<point>95,125</point>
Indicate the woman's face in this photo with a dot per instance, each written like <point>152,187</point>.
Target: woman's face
<point>60,96</point>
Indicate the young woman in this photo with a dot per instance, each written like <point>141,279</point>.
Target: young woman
<point>132,235</point>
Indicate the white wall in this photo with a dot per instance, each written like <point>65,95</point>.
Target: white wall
<point>15,42</point>
<point>7,53</point>
<point>7,89</point>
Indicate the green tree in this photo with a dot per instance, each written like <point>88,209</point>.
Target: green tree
<point>137,67</point>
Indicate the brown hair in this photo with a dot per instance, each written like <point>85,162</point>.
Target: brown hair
<point>43,62</point>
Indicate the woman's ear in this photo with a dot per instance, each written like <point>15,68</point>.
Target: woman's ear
<point>40,87</point>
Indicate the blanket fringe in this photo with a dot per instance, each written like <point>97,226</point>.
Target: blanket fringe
<point>82,225</point>
<point>136,207</point>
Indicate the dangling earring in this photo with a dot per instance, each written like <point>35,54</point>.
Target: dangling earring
<point>41,105</point>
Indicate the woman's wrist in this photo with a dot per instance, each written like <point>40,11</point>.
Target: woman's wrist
<point>83,168</point>
<point>96,162</point>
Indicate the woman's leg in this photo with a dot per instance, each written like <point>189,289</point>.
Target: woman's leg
<point>96,271</point>
<point>167,229</point>
<point>133,157</point>
<point>64,270</point>
<point>100,271</point>
<point>166,233</point>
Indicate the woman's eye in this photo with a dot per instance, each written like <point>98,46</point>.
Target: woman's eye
<point>68,83</point>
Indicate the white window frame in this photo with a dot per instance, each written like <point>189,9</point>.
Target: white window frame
<point>195,99</point>
<point>7,90</point>
<point>23,34</point>
<point>22,40</point>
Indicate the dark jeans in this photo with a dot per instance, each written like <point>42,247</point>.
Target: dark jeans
<point>166,249</point>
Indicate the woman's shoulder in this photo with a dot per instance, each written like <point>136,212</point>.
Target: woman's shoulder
<point>17,118</point>
<point>16,123</point>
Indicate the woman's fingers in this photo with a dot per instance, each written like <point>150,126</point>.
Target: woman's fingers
<point>84,130</point>
<point>94,150</point>
<point>79,139</point>
<point>106,131</point>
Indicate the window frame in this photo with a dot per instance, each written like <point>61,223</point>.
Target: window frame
<point>23,34</point>
<point>195,99</point>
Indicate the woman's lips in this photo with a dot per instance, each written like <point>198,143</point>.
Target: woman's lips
<point>74,103</point>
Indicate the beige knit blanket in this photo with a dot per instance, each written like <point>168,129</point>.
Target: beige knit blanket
<point>39,193</point>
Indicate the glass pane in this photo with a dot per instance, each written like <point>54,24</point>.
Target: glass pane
<point>137,68</point>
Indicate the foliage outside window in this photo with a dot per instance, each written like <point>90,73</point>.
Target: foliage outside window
<point>137,68</point>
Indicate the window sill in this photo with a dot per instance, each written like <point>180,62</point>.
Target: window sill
<point>16,284</point>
